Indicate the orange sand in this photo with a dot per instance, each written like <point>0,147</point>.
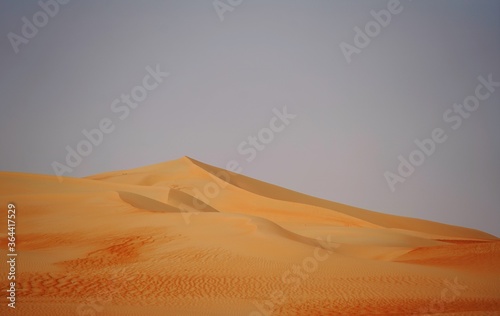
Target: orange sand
<point>148,241</point>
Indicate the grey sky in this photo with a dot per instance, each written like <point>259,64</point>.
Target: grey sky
<point>226,77</point>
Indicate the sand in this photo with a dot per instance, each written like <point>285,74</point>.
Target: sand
<point>186,238</point>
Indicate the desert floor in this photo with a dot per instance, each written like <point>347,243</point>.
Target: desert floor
<point>185,238</point>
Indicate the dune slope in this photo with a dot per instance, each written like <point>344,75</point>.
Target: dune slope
<point>186,238</point>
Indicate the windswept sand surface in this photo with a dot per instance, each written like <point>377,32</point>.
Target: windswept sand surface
<point>185,238</point>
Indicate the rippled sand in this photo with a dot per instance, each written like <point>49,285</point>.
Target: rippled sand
<point>185,238</point>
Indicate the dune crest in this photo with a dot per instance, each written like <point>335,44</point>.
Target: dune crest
<point>186,238</point>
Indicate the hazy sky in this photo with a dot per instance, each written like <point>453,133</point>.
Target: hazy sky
<point>228,70</point>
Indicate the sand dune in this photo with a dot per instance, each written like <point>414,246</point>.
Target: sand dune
<point>186,238</point>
